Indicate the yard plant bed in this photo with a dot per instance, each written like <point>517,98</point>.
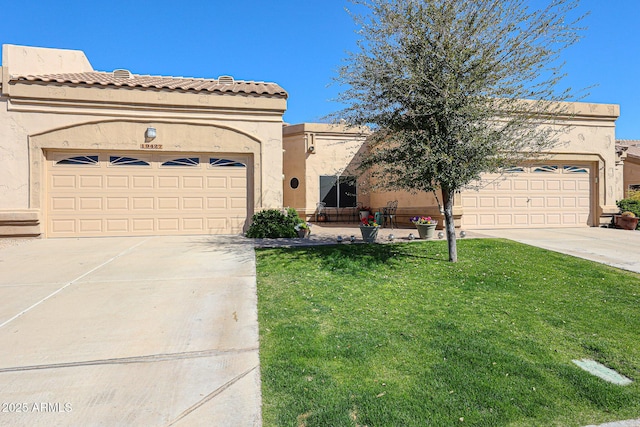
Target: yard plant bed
<point>395,335</point>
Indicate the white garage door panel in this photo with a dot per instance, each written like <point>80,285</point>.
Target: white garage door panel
<point>91,195</point>
<point>555,195</point>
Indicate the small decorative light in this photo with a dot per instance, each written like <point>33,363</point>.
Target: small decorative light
<point>411,236</point>
<point>391,237</point>
<point>463,234</point>
<point>339,239</point>
<point>440,235</point>
<point>150,134</point>
<point>352,238</point>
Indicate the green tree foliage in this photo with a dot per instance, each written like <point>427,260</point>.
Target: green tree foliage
<point>455,88</point>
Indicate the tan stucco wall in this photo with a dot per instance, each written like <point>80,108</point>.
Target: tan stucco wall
<point>26,60</point>
<point>35,117</point>
<point>335,152</point>
<point>295,157</point>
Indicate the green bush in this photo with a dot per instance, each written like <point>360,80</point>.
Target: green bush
<point>630,205</point>
<point>272,223</point>
<point>293,213</point>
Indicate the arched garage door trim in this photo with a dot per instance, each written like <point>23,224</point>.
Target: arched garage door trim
<point>118,137</point>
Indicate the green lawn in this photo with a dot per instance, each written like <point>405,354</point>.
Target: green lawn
<point>395,335</point>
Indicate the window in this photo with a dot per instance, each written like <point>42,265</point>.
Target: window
<point>575,169</point>
<point>225,163</point>
<point>185,161</point>
<point>545,169</point>
<point>516,169</point>
<point>338,191</point>
<point>79,160</point>
<point>295,183</point>
<point>126,161</point>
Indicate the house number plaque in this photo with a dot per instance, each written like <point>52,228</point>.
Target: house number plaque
<point>151,146</point>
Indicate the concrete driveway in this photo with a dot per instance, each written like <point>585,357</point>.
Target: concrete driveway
<point>618,248</point>
<point>149,331</point>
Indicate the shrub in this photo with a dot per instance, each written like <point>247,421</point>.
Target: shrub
<point>293,213</point>
<point>272,223</point>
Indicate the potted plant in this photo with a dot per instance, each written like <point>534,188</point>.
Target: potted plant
<point>627,220</point>
<point>425,226</point>
<point>364,212</point>
<point>303,229</point>
<point>630,208</point>
<point>369,229</point>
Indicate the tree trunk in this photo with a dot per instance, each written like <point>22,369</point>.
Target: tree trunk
<point>450,226</point>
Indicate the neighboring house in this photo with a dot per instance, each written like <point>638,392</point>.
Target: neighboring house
<point>87,153</point>
<point>577,183</point>
<point>631,154</point>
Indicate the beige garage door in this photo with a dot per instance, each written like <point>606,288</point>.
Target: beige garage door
<point>139,193</point>
<point>555,195</point>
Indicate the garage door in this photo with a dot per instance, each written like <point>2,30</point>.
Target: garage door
<point>138,193</point>
<point>554,195</point>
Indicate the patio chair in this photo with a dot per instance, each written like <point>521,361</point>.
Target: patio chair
<point>389,214</point>
<point>321,214</point>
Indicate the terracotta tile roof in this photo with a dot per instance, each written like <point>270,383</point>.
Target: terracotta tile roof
<point>632,145</point>
<point>628,142</point>
<point>137,81</point>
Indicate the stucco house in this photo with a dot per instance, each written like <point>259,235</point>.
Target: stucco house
<point>577,183</point>
<point>87,153</point>
<point>91,153</point>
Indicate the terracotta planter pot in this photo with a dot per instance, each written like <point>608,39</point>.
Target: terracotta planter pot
<point>626,222</point>
<point>369,234</point>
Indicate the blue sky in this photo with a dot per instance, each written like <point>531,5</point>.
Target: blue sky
<point>296,43</point>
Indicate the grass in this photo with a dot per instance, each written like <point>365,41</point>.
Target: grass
<point>395,335</point>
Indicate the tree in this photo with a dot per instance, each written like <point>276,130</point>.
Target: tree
<point>453,89</point>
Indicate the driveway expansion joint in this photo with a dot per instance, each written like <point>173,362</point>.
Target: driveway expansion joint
<point>6,322</point>
<point>212,395</point>
<point>136,359</point>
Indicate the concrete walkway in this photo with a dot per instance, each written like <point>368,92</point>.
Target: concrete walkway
<point>151,331</point>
